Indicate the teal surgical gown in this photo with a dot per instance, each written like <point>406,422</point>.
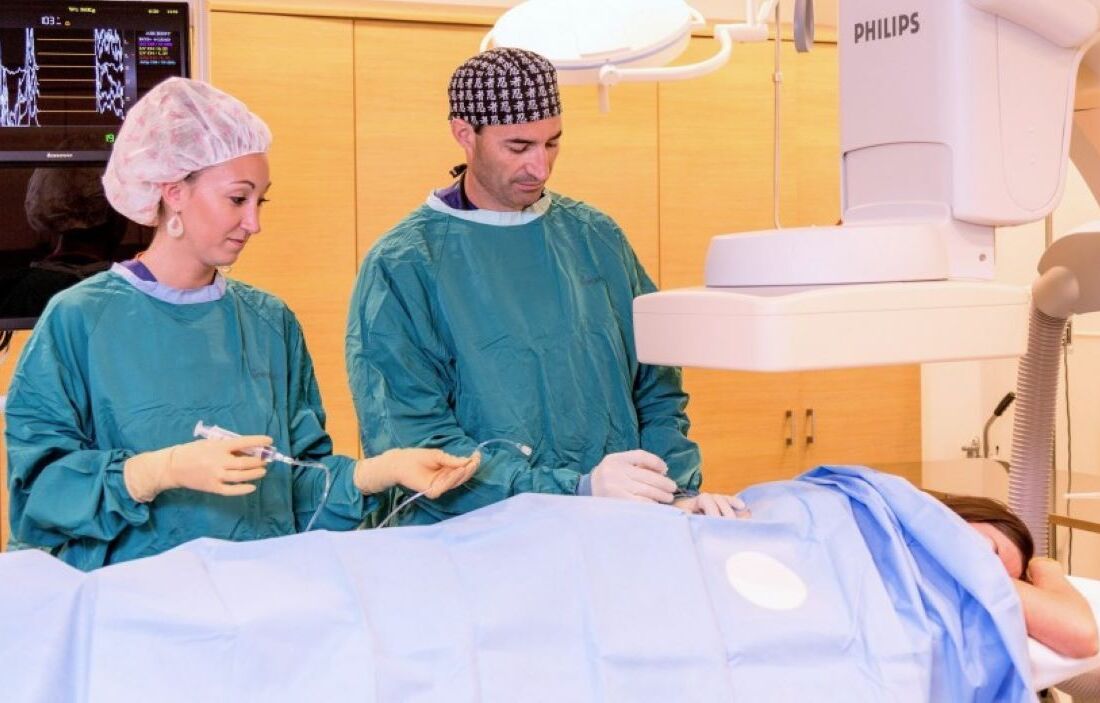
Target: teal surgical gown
<point>471,326</point>
<point>111,371</point>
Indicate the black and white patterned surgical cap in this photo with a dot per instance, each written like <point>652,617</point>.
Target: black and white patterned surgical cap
<point>504,86</point>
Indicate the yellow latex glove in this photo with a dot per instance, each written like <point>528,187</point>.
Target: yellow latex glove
<point>207,465</point>
<point>432,471</point>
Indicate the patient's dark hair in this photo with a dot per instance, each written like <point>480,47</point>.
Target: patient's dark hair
<point>996,513</point>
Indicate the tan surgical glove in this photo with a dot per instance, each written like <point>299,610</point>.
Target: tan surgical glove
<point>207,465</point>
<point>432,471</point>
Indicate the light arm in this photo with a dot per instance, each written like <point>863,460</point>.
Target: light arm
<point>1055,613</point>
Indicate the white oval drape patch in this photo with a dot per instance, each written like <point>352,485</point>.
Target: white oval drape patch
<point>765,582</point>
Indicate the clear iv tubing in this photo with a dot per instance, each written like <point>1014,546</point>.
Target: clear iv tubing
<point>270,453</point>
<point>521,448</point>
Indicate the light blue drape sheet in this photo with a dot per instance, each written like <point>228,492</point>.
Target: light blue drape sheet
<point>539,598</point>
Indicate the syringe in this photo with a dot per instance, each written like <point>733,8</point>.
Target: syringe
<point>270,453</point>
<point>266,452</point>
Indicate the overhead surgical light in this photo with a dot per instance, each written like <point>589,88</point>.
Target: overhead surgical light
<point>605,42</point>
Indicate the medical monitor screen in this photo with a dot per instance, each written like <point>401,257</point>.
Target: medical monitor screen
<point>70,71</point>
<point>56,229</point>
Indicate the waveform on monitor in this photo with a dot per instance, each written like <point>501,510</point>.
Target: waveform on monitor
<point>19,89</point>
<point>110,72</point>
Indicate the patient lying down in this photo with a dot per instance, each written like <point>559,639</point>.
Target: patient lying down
<point>1055,613</point>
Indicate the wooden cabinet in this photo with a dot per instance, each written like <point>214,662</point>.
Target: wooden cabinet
<point>740,422</point>
<point>765,427</point>
<point>864,416</point>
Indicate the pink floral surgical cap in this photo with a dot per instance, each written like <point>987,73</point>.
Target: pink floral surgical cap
<point>179,127</point>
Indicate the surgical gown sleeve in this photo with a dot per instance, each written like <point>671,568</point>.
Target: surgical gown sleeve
<point>661,403</point>
<point>61,486</point>
<point>346,507</point>
<point>403,378</point>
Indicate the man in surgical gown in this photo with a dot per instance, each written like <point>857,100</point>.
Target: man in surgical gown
<point>500,310</point>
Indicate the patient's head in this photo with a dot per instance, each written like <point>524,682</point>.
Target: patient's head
<point>1007,534</point>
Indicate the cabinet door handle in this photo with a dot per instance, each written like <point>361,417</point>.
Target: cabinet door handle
<point>811,427</point>
<point>789,422</point>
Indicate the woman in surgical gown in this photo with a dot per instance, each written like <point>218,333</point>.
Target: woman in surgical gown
<point>102,463</point>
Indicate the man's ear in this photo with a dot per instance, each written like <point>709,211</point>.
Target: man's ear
<point>464,134</point>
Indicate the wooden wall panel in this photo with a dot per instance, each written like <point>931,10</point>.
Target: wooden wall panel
<point>306,252</point>
<point>716,151</point>
<point>404,146</point>
<point>609,160</point>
